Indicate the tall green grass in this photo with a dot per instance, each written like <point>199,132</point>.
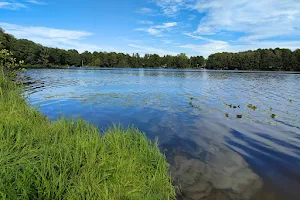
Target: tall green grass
<point>69,159</point>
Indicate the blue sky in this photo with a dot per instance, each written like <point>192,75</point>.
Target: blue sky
<point>194,27</point>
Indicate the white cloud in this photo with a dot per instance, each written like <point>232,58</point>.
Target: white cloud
<point>66,39</point>
<point>192,17</point>
<point>36,2</point>
<point>145,22</point>
<point>11,5</point>
<point>127,40</point>
<point>204,50</point>
<point>154,31</point>
<point>256,19</point>
<point>152,50</point>
<point>172,7</point>
<point>166,25</point>
<point>158,29</point>
<point>207,48</point>
<point>24,32</point>
<point>145,11</point>
<point>3,4</point>
<point>165,41</point>
<point>252,24</point>
<point>213,46</point>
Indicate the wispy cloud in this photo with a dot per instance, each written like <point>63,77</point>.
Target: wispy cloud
<point>145,11</point>
<point>158,29</point>
<point>52,33</point>
<point>36,2</point>
<point>145,22</point>
<point>66,39</point>
<point>192,17</point>
<point>209,46</point>
<point>152,50</point>
<point>197,37</point>
<point>16,5</point>
<point>166,41</point>
<point>252,24</point>
<point>172,7</point>
<point>166,25</point>
<point>256,19</point>
<point>11,5</point>
<point>128,40</point>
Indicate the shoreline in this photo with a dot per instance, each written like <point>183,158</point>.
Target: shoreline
<point>167,69</point>
<point>72,159</point>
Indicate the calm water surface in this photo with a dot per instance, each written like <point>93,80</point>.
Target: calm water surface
<point>213,153</point>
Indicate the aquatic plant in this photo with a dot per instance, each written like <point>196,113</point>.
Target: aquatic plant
<point>68,159</point>
<point>229,105</point>
<point>239,116</point>
<point>252,107</point>
<point>191,104</point>
<point>273,115</point>
<point>226,115</point>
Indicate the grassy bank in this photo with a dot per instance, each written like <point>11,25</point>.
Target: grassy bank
<point>67,159</point>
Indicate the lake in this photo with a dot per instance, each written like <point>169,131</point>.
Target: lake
<point>226,134</point>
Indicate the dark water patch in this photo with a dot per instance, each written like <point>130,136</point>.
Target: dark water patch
<point>295,148</point>
<point>280,169</point>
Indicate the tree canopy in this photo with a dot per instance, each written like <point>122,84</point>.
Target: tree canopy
<point>261,59</point>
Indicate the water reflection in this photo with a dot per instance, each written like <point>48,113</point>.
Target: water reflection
<point>212,156</point>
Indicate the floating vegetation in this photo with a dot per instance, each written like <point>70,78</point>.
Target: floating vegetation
<point>191,104</point>
<point>290,100</point>
<point>191,98</point>
<point>271,108</point>
<point>229,105</point>
<point>239,116</point>
<point>115,95</point>
<point>252,107</point>
<point>273,115</point>
<point>226,115</point>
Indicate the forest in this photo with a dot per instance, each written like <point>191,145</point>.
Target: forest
<point>262,59</point>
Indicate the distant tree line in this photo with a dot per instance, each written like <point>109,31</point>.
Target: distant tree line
<point>37,55</point>
<point>261,59</point>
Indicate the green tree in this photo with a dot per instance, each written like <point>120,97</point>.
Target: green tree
<point>2,39</point>
<point>44,55</point>
<point>97,62</point>
<point>297,60</point>
<point>197,61</point>
<point>182,61</point>
<point>87,58</point>
<point>9,64</point>
<point>72,57</point>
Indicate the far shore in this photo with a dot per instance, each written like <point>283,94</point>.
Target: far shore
<point>161,68</point>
